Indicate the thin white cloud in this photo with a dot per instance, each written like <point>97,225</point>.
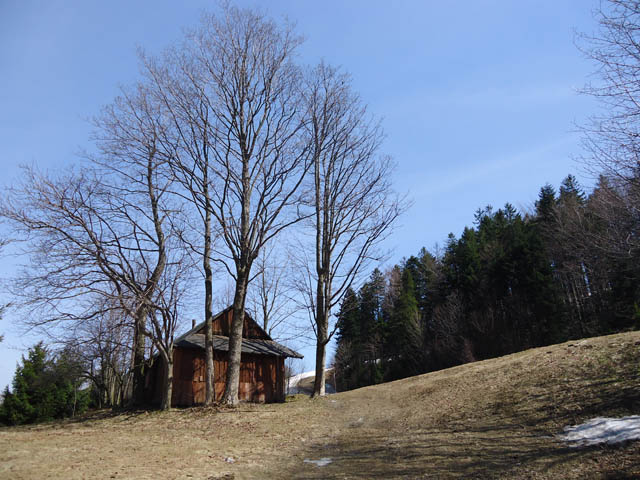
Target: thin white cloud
<point>486,97</point>
<point>436,180</point>
<point>508,96</point>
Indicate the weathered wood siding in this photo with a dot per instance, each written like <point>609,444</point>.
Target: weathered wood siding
<point>261,377</point>
<point>222,326</point>
<point>188,377</point>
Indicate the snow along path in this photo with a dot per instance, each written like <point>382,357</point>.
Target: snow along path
<point>603,430</point>
<point>323,462</point>
<point>295,379</point>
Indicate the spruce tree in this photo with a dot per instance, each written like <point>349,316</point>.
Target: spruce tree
<point>571,189</point>
<point>405,332</point>
<point>44,388</point>
<point>346,360</point>
<point>546,203</point>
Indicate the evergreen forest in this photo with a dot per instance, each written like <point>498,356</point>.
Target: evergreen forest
<point>513,281</point>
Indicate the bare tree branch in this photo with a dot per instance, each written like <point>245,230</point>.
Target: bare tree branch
<point>353,202</point>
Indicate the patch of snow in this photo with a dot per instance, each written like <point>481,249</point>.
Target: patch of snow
<point>357,422</point>
<point>603,430</point>
<point>295,379</point>
<point>295,391</point>
<point>323,462</point>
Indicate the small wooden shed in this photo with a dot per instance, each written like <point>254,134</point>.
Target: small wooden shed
<point>262,376</point>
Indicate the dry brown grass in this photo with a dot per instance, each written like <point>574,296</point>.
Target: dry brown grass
<point>491,419</point>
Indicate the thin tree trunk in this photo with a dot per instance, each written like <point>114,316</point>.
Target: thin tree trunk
<point>75,398</point>
<point>578,304</point>
<point>102,388</point>
<point>167,391</point>
<point>108,387</point>
<point>265,316</point>
<point>111,394</point>
<point>322,327</point>
<point>210,393</point>
<point>321,341</point>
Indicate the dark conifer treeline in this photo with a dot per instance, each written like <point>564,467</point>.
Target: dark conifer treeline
<point>509,283</point>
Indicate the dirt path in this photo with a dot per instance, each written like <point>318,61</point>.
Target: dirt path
<point>492,419</point>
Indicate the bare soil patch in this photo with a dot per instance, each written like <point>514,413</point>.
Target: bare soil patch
<point>493,419</point>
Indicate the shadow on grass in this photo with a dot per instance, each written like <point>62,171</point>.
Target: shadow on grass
<point>90,416</point>
<point>512,434</point>
<point>105,414</point>
<point>477,453</point>
<point>583,396</point>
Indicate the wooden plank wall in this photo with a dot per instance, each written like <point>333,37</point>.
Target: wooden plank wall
<point>222,325</point>
<point>261,377</point>
<point>188,377</point>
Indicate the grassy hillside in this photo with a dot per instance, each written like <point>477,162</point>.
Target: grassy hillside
<point>492,419</point>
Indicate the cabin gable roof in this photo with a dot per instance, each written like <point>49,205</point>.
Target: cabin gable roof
<point>254,339</point>
<point>222,325</point>
<point>253,346</point>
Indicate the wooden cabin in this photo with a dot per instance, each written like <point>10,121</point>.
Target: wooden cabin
<point>262,376</point>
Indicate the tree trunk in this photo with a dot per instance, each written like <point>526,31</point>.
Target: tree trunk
<point>143,309</point>
<point>137,390</point>
<point>235,341</point>
<point>210,392</point>
<point>111,392</point>
<point>243,267</point>
<point>319,383</point>
<point>323,286</point>
<point>578,304</point>
<point>322,328</point>
<point>75,399</point>
<point>167,390</point>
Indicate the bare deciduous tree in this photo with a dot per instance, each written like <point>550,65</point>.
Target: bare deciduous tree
<point>165,316</point>
<point>270,296</point>
<point>174,80</point>
<point>354,206</point>
<point>249,86</point>
<point>102,231</point>
<point>612,139</point>
<point>135,152</point>
<point>104,345</point>
<point>3,242</point>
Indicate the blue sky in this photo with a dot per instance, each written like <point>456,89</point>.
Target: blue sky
<point>478,98</point>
